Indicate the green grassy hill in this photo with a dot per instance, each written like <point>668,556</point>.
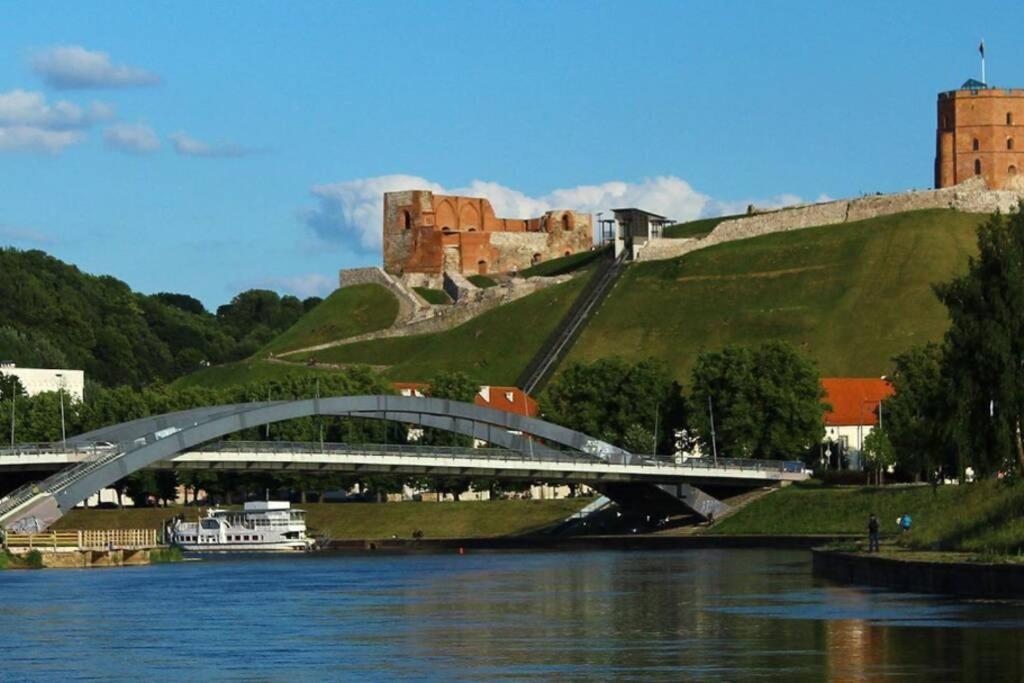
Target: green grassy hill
<point>245,372</point>
<point>850,296</point>
<point>492,348</point>
<point>984,517</point>
<point>347,312</point>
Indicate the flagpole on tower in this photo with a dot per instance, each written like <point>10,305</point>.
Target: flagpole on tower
<point>981,49</point>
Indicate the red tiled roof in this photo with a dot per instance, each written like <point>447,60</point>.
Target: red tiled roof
<point>854,400</point>
<point>509,399</point>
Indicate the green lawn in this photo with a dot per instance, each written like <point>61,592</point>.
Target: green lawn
<point>482,281</point>
<point>433,296</point>
<point>982,517</point>
<point>850,296</point>
<point>492,348</point>
<point>245,372</point>
<point>697,228</point>
<point>372,520</point>
<point>564,264</point>
<point>347,312</point>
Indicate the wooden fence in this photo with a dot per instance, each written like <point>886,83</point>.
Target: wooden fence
<point>91,539</point>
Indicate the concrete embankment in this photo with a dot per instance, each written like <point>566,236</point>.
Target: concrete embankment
<point>962,579</point>
<point>568,543</point>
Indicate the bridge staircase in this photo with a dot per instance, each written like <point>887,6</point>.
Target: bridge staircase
<point>561,340</point>
<point>35,502</point>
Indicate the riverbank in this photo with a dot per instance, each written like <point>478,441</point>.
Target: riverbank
<point>582,543</point>
<point>466,519</point>
<point>984,518</point>
<point>957,574</point>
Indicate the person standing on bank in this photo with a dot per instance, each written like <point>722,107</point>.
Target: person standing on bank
<point>872,533</point>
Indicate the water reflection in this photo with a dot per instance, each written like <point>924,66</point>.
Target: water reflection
<point>674,615</point>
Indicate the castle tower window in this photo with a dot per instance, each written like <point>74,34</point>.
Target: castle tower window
<point>975,144</point>
<point>1009,118</point>
<point>407,219</point>
<point>447,230</point>
<point>1009,143</point>
<point>1012,170</point>
<point>977,167</point>
<point>481,267</point>
<point>536,259</point>
<point>944,123</point>
<point>565,222</point>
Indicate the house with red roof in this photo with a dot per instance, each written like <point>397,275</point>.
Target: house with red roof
<point>857,407</point>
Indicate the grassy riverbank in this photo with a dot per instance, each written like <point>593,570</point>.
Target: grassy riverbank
<point>982,518</point>
<point>476,519</point>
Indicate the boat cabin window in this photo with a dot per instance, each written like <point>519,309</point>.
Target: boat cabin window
<point>210,524</point>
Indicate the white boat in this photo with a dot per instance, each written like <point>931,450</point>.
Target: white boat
<point>261,526</point>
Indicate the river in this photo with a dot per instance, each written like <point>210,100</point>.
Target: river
<point>681,615</point>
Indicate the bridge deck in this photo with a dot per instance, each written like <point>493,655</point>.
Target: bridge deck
<point>413,459</point>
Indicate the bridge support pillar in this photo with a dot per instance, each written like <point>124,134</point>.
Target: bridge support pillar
<point>665,498</point>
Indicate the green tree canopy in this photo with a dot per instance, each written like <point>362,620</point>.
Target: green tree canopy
<point>611,398</point>
<point>983,362</point>
<point>916,417</point>
<point>767,401</point>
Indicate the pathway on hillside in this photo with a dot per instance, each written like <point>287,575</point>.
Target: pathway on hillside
<point>539,370</point>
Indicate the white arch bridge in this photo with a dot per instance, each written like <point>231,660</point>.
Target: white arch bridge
<point>525,448</point>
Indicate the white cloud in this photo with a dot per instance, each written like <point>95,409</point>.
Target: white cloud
<point>29,122</point>
<point>302,286</point>
<point>134,138</point>
<point>188,146</point>
<point>351,212</point>
<point>13,234</point>
<point>71,66</point>
<point>28,108</point>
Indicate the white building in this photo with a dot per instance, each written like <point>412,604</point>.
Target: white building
<point>39,380</point>
<point>856,409</point>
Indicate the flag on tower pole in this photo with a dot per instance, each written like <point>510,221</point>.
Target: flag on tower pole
<point>981,49</point>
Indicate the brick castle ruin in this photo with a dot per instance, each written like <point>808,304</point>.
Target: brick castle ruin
<point>433,234</point>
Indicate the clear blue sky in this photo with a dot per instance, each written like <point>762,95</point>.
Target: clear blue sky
<point>219,146</point>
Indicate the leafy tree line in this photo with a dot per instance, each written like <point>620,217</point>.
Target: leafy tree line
<point>764,402</point>
<point>960,403</point>
<point>54,315</point>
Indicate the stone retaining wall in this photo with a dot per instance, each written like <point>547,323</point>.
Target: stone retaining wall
<point>970,197</point>
<point>410,305</point>
<point>969,579</point>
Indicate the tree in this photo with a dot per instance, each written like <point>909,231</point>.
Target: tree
<point>766,401</point>
<point>983,360</point>
<point>878,451</point>
<point>11,387</point>
<point>609,397</point>
<point>917,415</point>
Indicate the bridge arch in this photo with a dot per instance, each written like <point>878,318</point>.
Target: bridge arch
<point>143,445</point>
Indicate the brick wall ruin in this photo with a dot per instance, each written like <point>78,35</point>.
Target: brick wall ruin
<point>428,233</point>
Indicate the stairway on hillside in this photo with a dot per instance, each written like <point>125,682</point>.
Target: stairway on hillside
<point>539,370</point>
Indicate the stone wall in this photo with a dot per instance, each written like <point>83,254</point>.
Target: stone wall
<point>970,197</point>
<point>410,306</point>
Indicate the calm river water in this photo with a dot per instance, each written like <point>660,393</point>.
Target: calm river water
<point>697,614</point>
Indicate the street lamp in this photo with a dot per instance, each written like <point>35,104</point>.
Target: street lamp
<point>63,433</point>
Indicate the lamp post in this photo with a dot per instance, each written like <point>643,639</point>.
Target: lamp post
<point>14,400</point>
<point>63,433</point>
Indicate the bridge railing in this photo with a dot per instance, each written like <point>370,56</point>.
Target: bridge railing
<point>87,539</point>
<point>577,457</point>
<point>96,456</point>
